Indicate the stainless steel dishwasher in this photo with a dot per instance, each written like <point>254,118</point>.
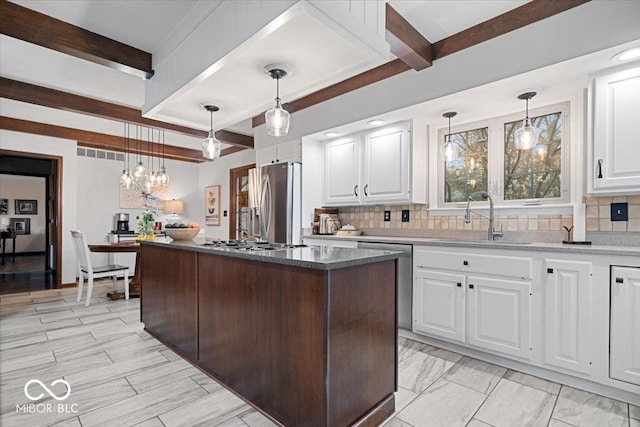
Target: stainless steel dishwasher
<point>405,284</point>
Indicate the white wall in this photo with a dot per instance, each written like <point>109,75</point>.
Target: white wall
<point>312,185</point>
<point>66,149</point>
<point>14,187</point>
<point>217,173</point>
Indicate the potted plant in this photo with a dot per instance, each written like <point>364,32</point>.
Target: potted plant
<point>146,222</point>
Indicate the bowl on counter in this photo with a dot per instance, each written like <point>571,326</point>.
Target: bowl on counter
<point>182,233</point>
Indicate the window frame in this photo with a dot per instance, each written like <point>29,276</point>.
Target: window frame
<point>495,160</point>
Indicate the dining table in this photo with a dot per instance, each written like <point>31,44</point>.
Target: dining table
<point>117,247</point>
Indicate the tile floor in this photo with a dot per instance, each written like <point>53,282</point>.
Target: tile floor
<point>120,376</point>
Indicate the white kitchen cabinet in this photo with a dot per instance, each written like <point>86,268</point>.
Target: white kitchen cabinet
<point>330,243</point>
<point>290,151</point>
<point>613,158</point>
<point>499,313</point>
<point>481,300</point>
<point>625,324</point>
<point>439,306</point>
<point>385,173</point>
<point>567,314</point>
<point>342,172</point>
<point>387,165</point>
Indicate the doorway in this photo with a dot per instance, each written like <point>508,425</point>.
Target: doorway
<point>32,224</point>
<point>239,202</point>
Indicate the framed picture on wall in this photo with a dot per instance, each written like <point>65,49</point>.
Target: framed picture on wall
<point>21,225</point>
<point>26,207</point>
<point>212,205</point>
<point>4,206</point>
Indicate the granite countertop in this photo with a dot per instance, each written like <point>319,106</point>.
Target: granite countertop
<point>533,246</point>
<point>316,257</point>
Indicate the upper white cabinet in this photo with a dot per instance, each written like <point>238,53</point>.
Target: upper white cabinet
<point>625,324</point>
<point>387,165</point>
<point>613,165</point>
<point>290,151</point>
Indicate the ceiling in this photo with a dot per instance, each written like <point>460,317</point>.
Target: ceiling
<point>240,87</point>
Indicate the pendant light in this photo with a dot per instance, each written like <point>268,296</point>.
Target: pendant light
<point>211,146</point>
<point>126,180</point>
<point>139,172</point>
<point>450,149</point>
<point>526,137</point>
<point>163,178</point>
<point>150,181</point>
<point>277,118</point>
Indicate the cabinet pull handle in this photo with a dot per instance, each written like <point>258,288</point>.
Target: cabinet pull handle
<point>459,284</point>
<point>465,262</point>
<point>355,190</point>
<point>599,168</point>
<point>619,280</point>
<point>549,270</point>
<point>470,286</point>
<point>365,190</point>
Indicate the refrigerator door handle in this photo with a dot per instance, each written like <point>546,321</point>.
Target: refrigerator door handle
<point>265,208</point>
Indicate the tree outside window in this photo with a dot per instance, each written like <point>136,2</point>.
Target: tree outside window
<point>468,171</point>
<point>535,173</point>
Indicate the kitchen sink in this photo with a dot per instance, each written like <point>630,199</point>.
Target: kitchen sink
<point>499,242</point>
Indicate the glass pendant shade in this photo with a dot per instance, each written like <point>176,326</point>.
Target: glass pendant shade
<point>139,172</point>
<point>277,120</point>
<point>211,147</point>
<point>163,177</point>
<point>128,183</point>
<point>123,177</point>
<point>450,150</point>
<point>526,137</point>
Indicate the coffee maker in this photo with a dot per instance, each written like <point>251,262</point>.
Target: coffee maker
<point>121,223</point>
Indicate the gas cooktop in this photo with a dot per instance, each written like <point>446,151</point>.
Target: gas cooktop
<point>238,245</point>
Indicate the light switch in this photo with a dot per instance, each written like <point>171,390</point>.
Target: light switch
<point>387,215</point>
<point>405,215</point>
<point>619,212</point>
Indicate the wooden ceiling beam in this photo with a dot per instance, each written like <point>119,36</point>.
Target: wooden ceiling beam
<point>37,28</point>
<point>406,42</point>
<point>53,98</point>
<point>99,140</point>
<point>526,14</point>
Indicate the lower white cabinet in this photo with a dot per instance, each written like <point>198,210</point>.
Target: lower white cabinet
<point>499,313</point>
<point>473,304</point>
<point>567,314</point>
<point>625,324</point>
<point>439,304</point>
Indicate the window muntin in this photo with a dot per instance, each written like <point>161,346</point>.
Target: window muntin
<point>535,173</point>
<point>468,171</point>
<point>556,138</point>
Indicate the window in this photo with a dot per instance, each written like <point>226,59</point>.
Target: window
<point>487,160</point>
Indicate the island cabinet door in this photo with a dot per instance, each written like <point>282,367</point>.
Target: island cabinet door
<point>168,298</point>
<point>262,334</point>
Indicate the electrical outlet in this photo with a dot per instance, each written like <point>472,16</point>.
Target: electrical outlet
<point>387,215</point>
<point>224,213</point>
<point>619,212</point>
<point>405,215</point>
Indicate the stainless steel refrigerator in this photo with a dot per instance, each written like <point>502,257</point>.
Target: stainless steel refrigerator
<point>279,212</point>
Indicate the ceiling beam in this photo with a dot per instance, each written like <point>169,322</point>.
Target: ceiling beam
<point>99,140</point>
<point>406,42</point>
<point>37,28</point>
<point>53,98</point>
<point>529,13</point>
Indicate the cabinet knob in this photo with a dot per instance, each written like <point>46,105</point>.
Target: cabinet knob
<point>459,284</point>
<point>470,286</point>
<point>465,262</point>
<point>619,280</point>
<point>549,270</point>
<point>272,161</point>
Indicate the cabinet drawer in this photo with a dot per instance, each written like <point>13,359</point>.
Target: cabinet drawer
<point>494,265</point>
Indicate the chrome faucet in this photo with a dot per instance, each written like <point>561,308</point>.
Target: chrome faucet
<point>492,233</point>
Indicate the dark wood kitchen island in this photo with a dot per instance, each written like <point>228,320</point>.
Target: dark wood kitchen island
<point>306,335</point>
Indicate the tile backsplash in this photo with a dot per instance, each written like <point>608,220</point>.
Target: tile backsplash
<point>370,219</point>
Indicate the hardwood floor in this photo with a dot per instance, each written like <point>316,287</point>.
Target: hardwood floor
<point>121,376</point>
<point>26,274</point>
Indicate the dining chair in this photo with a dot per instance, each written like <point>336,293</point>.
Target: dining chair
<point>86,268</point>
